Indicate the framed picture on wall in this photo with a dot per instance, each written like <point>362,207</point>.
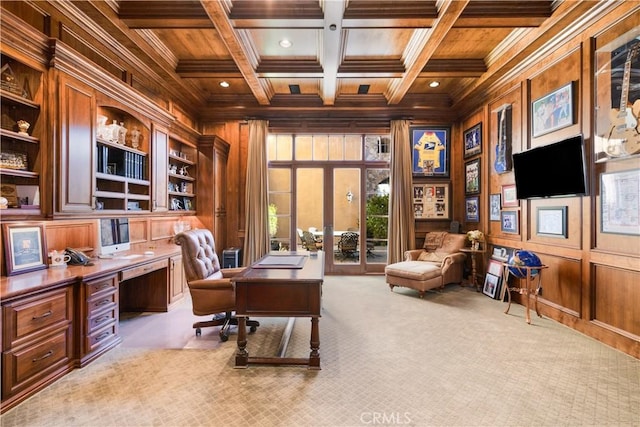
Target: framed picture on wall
<point>509,196</point>
<point>553,111</point>
<point>25,248</point>
<point>430,151</point>
<point>472,209</point>
<point>619,202</point>
<point>473,140</point>
<point>472,177</point>
<point>552,221</point>
<point>509,221</point>
<point>431,200</point>
<point>494,207</point>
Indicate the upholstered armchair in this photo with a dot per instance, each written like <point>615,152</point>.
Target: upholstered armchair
<point>438,263</point>
<point>212,292</point>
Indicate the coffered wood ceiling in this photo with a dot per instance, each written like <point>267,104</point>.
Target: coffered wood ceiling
<point>391,48</point>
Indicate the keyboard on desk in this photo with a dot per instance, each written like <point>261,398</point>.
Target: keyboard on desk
<point>132,256</point>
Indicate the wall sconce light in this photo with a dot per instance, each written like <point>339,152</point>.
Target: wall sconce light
<point>349,196</point>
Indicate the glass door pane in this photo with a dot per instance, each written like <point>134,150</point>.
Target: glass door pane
<point>280,209</point>
<point>377,215</point>
<point>346,217</point>
<point>310,204</point>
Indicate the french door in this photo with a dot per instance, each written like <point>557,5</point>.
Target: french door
<point>330,205</point>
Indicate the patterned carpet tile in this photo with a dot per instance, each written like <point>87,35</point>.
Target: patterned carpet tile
<point>388,358</point>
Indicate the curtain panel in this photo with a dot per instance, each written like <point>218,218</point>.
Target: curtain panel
<point>256,242</point>
<point>401,220</point>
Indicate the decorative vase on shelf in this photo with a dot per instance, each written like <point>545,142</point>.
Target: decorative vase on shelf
<point>135,137</point>
<point>122,134</point>
<point>23,127</point>
<point>475,245</point>
<point>113,130</point>
<point>102,127</point>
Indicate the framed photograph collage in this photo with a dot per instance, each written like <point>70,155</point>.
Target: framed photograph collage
<point>432,200</point>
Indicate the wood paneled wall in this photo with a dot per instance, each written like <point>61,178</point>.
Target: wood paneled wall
<point>592,283</point>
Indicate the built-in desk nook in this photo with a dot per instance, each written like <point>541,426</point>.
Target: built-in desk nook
<point>58,319</point>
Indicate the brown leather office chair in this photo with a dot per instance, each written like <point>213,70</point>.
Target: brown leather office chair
<point>212,292</point>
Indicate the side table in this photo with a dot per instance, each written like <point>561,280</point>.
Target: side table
<point>532,274</point>
<point>474,266</point>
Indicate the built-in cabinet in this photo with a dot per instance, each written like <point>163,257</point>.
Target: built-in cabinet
<point>99,317</point>
<point>37,341</point>
<point>177,282</point>
<point>111,144</point>
<point>213,153</point>
<point>21,132</point>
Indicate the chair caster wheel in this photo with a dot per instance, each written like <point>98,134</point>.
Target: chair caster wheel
<point>198,332</point>
<point>253,329</point>
<point>224,338</point>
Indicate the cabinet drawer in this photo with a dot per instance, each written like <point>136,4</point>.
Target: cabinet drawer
<point>36,361</point>
<point>101,302</point>
<point>143,269</point>
<point>106,285</point>
<point>37,314</point>
<point>97,321</point>
<point>101,337</point>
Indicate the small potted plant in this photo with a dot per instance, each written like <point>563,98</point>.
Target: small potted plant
<point>273,225</point>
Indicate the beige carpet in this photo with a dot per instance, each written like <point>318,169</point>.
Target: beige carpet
<point>451,359</point>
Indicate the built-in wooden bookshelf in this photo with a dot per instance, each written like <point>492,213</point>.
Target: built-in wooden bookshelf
<point>182,172</point>
<point>20,133</point>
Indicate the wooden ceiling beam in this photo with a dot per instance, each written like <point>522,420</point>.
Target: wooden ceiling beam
<point>286,65</point>
<point>218,15</point>
<point>391,9</point>
<point>459,68</point>
<point>449,12</point>
<point>371,66</point>
<point>275,9</point>
<point>163,14</point>
<point>207,68</point>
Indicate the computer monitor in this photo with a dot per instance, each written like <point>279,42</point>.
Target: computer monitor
<point>113,236</point>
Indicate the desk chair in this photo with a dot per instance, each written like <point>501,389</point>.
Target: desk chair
<point>212,292</point>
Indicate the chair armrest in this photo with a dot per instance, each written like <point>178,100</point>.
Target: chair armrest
<point>211,284</point>
<point>412,255</point>
<point>230,272</point>
<point>451,259</point>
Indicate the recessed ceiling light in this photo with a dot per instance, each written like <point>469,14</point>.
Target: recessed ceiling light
<point>434,84</point>
<point>224,83</point>
<point>285,43</point>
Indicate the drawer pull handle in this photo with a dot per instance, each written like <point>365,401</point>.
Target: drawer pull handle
<point>103,286</point>
<point>102,336</point>
<point>103,302</point>
<point>44,356</point>
<point>101,319</point>
<point>46,314</point>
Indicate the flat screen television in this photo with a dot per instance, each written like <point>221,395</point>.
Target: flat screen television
<point>113,236</point>
<point>553,170</point>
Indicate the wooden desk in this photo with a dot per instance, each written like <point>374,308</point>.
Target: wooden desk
<point>268,290</point>
<point>532,273</point>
